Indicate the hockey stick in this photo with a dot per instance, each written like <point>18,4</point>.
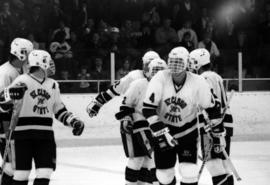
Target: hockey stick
<point>205,159</point>
<point>231,165</point>
<point>208,134</point>
<point>13,123</point>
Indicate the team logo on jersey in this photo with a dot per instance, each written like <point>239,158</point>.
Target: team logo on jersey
<point>41,96</point>
<point>175,105</point>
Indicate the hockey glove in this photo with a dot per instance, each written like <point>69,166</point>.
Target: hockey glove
<point>124,111</point>
<point>78,126</point>
<point>126,125</point>
<point>14,93</point>
<point>144,136</point>
<point>164,140</point>
<point>94,106</point>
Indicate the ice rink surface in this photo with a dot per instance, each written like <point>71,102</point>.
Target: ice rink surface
<point>104,165</point>
<point>97,158</point>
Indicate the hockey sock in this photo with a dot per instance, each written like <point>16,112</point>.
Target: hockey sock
<point>230,180</point>
<point>220,180</point>
<point>172,183</point>
<point>41,181</point>
<point>15,182</point>
<point>131,175</point>
<point>193,183</point>
<point>145,175</point>
<point>6,179</point>
<point>153,175</point>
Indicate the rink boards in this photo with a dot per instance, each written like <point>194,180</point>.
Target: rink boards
<point>250,111</point>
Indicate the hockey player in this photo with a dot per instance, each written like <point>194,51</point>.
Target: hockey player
<point>135,132</point>
<point>19,50</point>
<point>170,106</point>
<point>33,134</point>
<point>200,63</point>
<point>121,86</point>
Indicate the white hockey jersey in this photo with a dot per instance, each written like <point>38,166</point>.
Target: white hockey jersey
<point>122,85</point>
<point>134,97</point>
<point>178,108</point>
<point>39,104</point>
<point>216,84</point>
<point>8,73</point>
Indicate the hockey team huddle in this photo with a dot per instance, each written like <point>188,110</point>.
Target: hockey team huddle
<point>169,112</point>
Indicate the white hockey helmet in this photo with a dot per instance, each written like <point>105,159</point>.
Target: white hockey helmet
<point>177,59</point>
<point>21,48</point>
<point>198,58</point>
<point>40,58</point>
<point>149,56</point>
<point>156,65</point>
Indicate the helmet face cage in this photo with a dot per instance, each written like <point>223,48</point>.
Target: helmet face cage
<point>176,65</point>
<point>146,67</point>
<point>155,69</point>
<point>147,58</point>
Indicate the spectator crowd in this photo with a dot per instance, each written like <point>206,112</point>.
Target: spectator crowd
<point>81,34</point>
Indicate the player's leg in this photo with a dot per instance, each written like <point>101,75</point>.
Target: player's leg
<point>135,160</point>
<point>7,171</point>
<point>148,172</point>
<point>22,152</point>
<point>132,170</point>
<point>143,146</point>
<point>214,165</point>
<point>45,160</point>
<point>187,154</point>
<point>165,162</point>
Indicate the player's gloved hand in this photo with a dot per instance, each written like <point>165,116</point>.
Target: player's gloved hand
<point>14,93</point>
<point>164,139</point>
<point>218,139</point>
<point>78,127</point>
<point>126,125</point>
<point>94,106</point>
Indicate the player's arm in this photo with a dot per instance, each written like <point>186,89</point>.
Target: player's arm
<point>63,115</point>
<point>102,98</point>
<point>150,105</point>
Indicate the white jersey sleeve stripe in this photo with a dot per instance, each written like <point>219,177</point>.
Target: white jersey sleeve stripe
<point>153,119</point>
<point>33,127</point>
